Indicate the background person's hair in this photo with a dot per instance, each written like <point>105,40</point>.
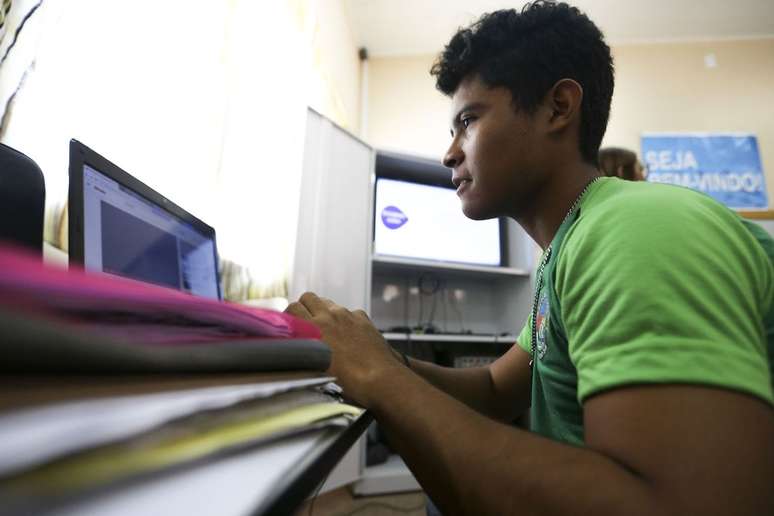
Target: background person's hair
<point>618,162</point>
<point>528,52</point>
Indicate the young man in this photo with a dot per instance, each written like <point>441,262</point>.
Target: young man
<point>646,359</point>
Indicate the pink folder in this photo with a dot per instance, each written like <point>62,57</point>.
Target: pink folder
<point>117,306</point>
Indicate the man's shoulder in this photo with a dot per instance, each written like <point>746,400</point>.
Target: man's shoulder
<point>658,211</point>
<point>626,222</point>
<point>650,200</point>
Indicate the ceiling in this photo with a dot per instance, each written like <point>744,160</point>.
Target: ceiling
<point>410,27</point>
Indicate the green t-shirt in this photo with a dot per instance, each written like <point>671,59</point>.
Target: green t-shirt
<point>650,283</point>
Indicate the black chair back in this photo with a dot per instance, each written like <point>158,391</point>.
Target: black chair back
<point>22,199</point>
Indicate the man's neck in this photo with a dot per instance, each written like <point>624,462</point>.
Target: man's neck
<point>553,202</point>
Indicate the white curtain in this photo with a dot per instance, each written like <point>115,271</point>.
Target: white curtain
<point>204,101</point>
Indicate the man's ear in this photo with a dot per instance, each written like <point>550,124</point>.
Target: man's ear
<point>563,101</point>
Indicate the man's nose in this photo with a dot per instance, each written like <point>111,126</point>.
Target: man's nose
<point>453,156</point>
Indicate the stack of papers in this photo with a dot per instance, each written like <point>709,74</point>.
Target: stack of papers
<point>110,384</point>
<point>56,454</point>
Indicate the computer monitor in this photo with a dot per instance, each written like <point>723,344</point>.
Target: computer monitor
<point>119,225</point>
<point>422,221</point>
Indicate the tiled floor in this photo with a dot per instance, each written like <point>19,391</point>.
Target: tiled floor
<point>341,503</point>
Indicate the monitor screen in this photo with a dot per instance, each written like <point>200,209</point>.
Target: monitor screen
<point>126,234</point>
<point>414,220</point>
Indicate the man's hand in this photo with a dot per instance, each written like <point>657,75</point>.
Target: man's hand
<point>360,354</point>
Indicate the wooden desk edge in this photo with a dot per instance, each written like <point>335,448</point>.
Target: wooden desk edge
<point>758,215</point>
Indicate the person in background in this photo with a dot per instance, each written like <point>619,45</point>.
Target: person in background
<point>619,162</point>
<point>645,362</point>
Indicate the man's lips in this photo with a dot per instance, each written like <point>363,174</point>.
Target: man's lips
<point>462,184</point>
<point>457,181</point>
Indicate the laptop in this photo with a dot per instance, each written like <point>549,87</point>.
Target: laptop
<point>119,225</point>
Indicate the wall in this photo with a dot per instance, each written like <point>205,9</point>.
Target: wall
<point>405,111</point>
<point>659,87</point>
<point>336,63</point>
<point>208,117</point>
<point>664,87</point>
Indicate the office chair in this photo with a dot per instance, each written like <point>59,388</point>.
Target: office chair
<point>22,200</point>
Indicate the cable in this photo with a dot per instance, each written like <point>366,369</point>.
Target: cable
<point>444,301</point>
<point>457,311</point>
<point>387,506</point>
<point>419,317</point>
<point>432,288</point>
<point>406,304</point>
<point>434,292</point>
<point>431,317</point>
<point>428,285</point>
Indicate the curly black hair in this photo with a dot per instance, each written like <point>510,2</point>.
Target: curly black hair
<point>528,52</point>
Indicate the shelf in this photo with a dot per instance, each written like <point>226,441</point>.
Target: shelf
<point>440,337</point>
<point>391,477</point>
<point>389,263</point>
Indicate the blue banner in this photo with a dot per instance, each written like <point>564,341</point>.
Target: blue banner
<point>724,166</point>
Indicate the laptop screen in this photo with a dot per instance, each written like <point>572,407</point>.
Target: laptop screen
<point>124,233</point>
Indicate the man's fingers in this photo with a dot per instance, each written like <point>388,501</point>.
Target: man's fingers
<point>299,310</point>
<point>313,303</point>
<point>315,306</point>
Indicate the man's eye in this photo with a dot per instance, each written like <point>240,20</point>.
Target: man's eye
<point>466,121</point>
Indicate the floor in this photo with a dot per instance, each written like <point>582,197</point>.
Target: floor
<point>341,503</point>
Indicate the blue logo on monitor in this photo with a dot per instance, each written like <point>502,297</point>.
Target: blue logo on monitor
<point>393,218</point>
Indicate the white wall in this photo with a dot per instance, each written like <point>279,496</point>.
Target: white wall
<point>659,87</point>
<point>336,62</point>
<point>405,111</point>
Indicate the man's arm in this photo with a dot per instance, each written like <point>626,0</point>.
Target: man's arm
<point>500,390</point>
<point>650,450</point>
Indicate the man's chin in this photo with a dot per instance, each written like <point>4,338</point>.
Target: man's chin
<point>475,212</point>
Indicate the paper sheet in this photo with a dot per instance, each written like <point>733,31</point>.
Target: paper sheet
<point>32,436</point>
<point>106,465</point>
<point>230,487</point>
